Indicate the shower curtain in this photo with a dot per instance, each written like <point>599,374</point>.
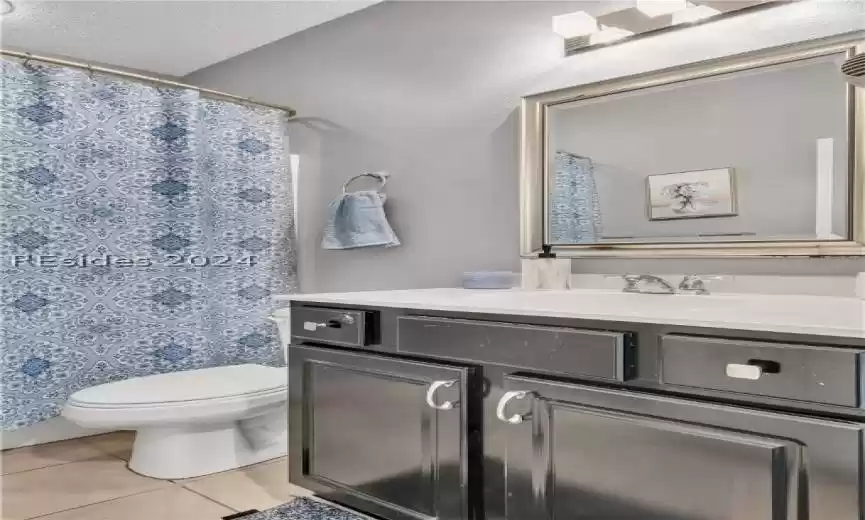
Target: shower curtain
<point>143,230</point>
<point>575,209</point>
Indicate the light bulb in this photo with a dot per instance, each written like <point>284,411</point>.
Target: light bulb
<point>694,14</point>
<point>576,24</point>
<point>653,8</point>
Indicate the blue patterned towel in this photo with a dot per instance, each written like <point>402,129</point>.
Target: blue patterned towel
<point>358,220</point>
<point>304,509</point>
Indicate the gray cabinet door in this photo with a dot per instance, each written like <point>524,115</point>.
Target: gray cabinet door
<point>579,452</point>
<point>364,432</point>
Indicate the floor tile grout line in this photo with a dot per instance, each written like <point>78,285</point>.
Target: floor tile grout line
<point>96,503</point>
<point>101,453</point>
<point>43,467</point>
<point>54,465</point>
<point>119,457</point>
<point>202,495</point>
<point>113,455</point>
<point>171,483</point>
<point>89,439</point>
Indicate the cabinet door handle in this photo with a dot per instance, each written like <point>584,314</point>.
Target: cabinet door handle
<point>503,402</point>
<point>431,391</point>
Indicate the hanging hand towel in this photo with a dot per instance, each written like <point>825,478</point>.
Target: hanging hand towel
<point>357,219</point>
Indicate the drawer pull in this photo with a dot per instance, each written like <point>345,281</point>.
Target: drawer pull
<point>753,370</point>
<point>503,402</point>
<point>740,371</point>
<point>768,367</point>
<point>431,391</point>
<point>312,326</point>
<point>333,323</point>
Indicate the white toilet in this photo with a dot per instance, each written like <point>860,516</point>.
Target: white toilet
<point>194,422</point>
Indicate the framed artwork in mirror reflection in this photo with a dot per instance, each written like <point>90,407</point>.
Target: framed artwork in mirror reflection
<point>692,194</point>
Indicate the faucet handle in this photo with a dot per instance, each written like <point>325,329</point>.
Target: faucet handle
<point>632,282</point>
<point>695,284</point>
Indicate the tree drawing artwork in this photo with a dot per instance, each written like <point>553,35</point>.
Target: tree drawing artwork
<point>683,195</point>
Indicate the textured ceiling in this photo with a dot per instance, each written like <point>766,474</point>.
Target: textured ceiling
<point>166,37</point>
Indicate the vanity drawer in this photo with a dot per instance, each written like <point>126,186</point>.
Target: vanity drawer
<point>801,372</point>
<point>330,326</point>
<point>562,350</point>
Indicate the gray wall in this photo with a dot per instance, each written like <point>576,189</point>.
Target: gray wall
<point>764,125</point>
<point>429,91</point>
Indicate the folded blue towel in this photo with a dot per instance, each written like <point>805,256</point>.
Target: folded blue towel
<point>357,219</point>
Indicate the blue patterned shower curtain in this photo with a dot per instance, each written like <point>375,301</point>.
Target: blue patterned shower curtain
<point>575,209</point>
<point>143,231</point>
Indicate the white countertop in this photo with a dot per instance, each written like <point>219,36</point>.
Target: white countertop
<point>820,315</point>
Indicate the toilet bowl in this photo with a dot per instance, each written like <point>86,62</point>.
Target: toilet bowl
<point>194,422</point>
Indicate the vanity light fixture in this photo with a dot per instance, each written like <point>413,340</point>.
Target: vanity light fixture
<point>583,31</point>
<point>854,70</point>
<point>694,14</point>
<point>609,34</point>
<point>575,25</point>
<point>653,8</point>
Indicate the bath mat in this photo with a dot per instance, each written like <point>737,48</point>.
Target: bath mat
<point>301,509</point>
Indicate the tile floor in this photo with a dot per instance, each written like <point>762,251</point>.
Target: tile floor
<point>87,479</point>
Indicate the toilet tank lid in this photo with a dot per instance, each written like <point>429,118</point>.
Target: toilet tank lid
<point>189,385</point>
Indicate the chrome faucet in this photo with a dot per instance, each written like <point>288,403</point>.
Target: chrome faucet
<point>644,284</point>
<point>693,284</point>
<point>651,284</point>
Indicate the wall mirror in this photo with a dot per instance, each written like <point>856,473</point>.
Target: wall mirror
<point>753,155</point>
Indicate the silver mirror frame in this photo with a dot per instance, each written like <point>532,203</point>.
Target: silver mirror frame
<point>534,160</point>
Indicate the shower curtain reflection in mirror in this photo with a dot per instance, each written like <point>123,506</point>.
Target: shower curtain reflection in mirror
<point>144,230</point>
<point>575,212</point>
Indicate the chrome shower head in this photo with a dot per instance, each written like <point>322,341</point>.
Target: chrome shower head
<point>854,70</point>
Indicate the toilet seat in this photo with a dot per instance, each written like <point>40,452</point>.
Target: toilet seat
<point>203,395</point>
<point>190,385</point>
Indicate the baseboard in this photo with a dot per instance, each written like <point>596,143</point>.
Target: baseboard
<point>57,429</point>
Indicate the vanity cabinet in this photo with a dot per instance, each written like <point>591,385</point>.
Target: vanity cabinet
<point>419,414</point>
<point>581,452</point>
<point>389,437</point>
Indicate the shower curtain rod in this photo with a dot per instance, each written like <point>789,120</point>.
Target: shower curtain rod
<point>26,56</point>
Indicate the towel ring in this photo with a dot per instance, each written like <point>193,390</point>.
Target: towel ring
<point>381,177</point>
